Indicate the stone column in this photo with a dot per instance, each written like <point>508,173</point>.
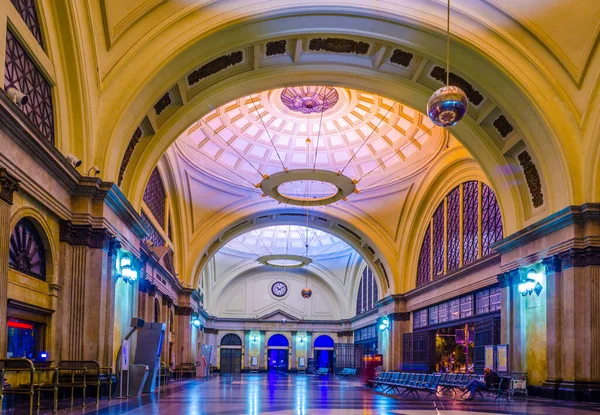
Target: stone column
<point>554,305</point>
<point>184,334</point>
<point>89,290</point>
<point>511,321</point>
<point>8,185</point>
<point>399,324</point>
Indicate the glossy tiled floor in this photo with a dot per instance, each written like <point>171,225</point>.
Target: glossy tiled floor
<point>306,394</point>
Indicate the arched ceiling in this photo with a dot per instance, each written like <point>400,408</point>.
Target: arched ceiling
<point>372,139</point>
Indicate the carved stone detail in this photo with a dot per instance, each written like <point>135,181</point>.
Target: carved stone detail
<point>215,66</point>
<point>183,311</point>
<point>128,153</point>
<point>166,300</point>
<point>552,264</point>
<point>277,47</point>
<point>163,103</point>
<point>533,179</point>
<point>400,57</point>
<point>97,238</point>
<point>346,333</point>
<point>509,278</point>
<point>208,330</point>
<point>8,185</point>
<point>438,73</point>
<point>503,126</point>
<point>338,45</point>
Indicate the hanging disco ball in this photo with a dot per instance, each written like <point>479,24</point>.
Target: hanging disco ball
<point>306,293</point>
<point>447,106</point>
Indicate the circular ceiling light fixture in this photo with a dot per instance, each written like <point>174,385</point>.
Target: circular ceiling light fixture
<point>324,187</point>
<point>447,105</point>
<point>309,99</point>
<point>284,260</point>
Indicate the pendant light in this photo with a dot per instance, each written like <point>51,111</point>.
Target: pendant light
<point>306,291</point>
<point>447,105</point>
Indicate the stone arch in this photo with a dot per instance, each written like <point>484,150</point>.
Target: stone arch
<point>323,340</point>
<point>278,340</point>
<point>231,339</point>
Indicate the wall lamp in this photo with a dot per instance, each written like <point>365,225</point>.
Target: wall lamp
<point>196,320</point>
<point>530,285</point>
<point>127,271</point>
<point>254,339</point>
<point>384,324</point>
<point>301,339</point>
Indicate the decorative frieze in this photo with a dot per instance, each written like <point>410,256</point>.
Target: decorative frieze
<point>580,257</point>
<point>86,235</point>
<point>508,279</point>
<point>208,330</point>
<point>552,264</point>
<point>277,47</point>
<point>402,58</point>
<point>135,139</point>
<point>338,45</point>
<point>533,179</point>
<point>166,300</point>
<point>438,73</point>
<point>215,66</point>
<point>347,333</point>
<point>8,185</point>
<point>163,103</point>
<point>503,126</point>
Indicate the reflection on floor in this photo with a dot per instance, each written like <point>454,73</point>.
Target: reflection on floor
<point>281,394</point>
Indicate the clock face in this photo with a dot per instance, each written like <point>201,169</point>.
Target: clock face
<point>279,289</point>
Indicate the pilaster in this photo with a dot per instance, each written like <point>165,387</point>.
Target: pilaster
<point>8,185</point>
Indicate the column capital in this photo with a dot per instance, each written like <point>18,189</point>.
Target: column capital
<point>552,264</point>
<point>399,316</point>
<point>8,185</point>
<point>97,238</point>
<point>346,333</point>
<point>209,330</point>
<point>580,257</point>
<point>509,278</point>
<point>183,311</point>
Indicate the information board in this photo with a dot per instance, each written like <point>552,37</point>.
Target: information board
<point>311,366</point>
<point>489,357</point>
<point>502,350</point>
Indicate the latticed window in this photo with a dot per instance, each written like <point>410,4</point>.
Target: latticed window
<point>491,220</point>
<point>420,318</point>
<point>454,229</point>
<point>424,271</point>
<point>26,252</point>
<point>28,12</point>
<point>367,292</point>
<point>438,241</point>
<point>155,197</point>
<point>231,340</point>
<point>22,74</point>
<point>154,236</point>
<point>480,224</point>
<point>471,222</point>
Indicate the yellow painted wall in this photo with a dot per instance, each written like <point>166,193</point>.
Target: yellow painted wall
<point>535,339</point>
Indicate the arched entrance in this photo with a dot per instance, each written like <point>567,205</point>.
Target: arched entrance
<point>323,352</point>
<point>277,353</point>
<point>230,354</point>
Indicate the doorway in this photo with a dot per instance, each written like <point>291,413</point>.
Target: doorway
<point>231,361</point>
<point>278,360</point>
<point>324,359</point>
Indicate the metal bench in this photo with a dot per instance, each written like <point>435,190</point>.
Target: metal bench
<point>322,371</point>
<point>184,369</point>
<point>20,386</point>
<point>79,374</point>
<point>502,389</point>
<point>347,371</point>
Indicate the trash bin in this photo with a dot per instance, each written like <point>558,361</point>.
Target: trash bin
<point>137,379</point>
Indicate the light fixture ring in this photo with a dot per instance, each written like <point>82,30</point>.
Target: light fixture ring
<point>284,260</point>
<point>344,185</point>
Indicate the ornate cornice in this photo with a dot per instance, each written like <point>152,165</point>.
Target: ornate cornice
<point>166,300</point>
<point>97,238</point>
<point>209,330</point>
<point>8,185</point>
<point>147,287</point>
<point>552,264</point>
<point>533,179</point>
<point>183,311</point>
<point>346,333</point>
<point>508,279</point>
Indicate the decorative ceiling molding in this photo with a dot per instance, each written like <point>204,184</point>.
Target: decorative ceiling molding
<point>533,179</point>
<point>276,47</point>
<point>215,66</point>
<point>503,126</point>
<point>338,45</point>
<point>402,58</point>
<point>438,73</point>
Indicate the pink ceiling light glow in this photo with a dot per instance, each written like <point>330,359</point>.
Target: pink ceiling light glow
<point>309,99</point>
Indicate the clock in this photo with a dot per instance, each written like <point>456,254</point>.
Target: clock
<point>279,289</point>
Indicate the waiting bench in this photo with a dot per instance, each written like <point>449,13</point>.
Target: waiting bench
<point>184,369</point>
<point>322,371</point>
<point>347,371</point>
<point>21,385</point>
<point>79,374</point>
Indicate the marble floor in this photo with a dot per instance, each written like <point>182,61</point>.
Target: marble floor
<point>306,394</point>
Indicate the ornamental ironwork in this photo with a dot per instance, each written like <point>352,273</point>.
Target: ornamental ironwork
<point>453,229</point>
<point>424,270</point>
<point>231,340</point>
<point>28,12</point>
<point>367,292</point>
<point>26,252</point>
<point>155,196</point>
<point>22,74</point>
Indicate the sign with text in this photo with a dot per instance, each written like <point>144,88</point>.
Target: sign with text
<point>125,355</point>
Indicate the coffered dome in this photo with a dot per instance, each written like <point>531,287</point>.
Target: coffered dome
<point>370,139</point>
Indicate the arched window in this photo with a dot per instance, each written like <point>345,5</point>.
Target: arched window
<point>231,340</point>
<point>324,341</point>
<point>443,249</point>
<point>367,292</point>
<point>278,340</point>
<point>26,250</point>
